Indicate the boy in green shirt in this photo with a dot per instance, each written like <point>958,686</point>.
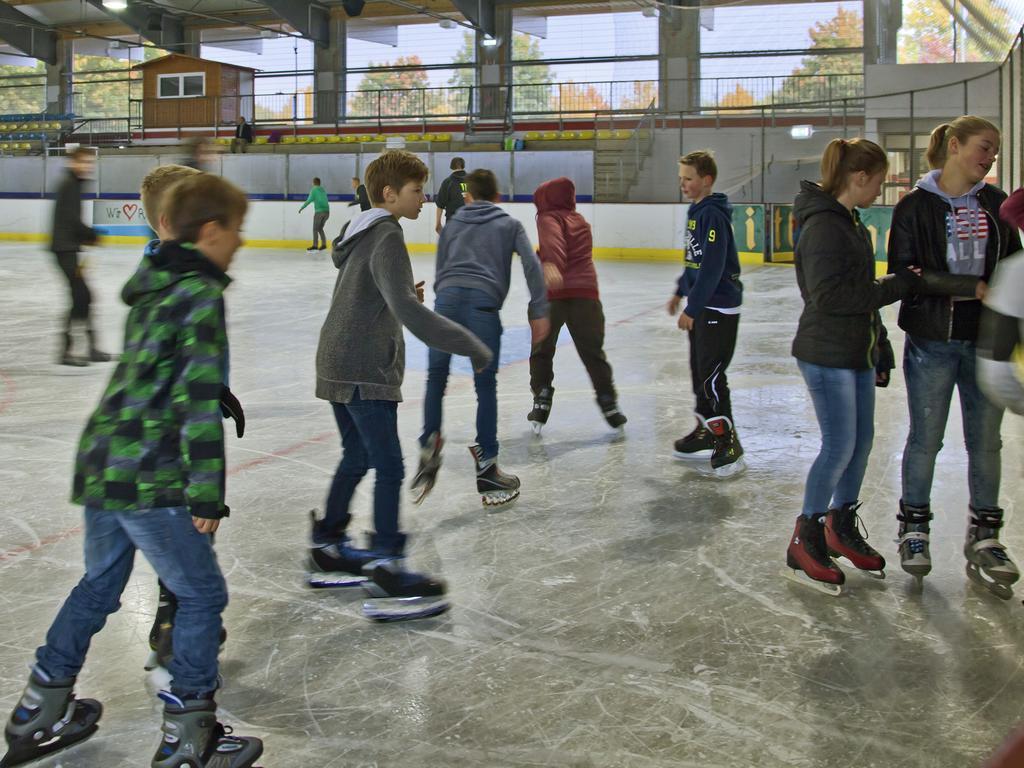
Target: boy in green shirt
<point>150,474</point>
<point>321,212</point>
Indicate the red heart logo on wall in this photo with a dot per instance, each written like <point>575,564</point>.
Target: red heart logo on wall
<point>130,209</point>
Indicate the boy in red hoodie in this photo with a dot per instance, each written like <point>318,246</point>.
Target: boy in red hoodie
<point>567,244</point>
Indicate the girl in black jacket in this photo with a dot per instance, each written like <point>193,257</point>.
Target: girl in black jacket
<point>843,353</point>
<point>949,224</point>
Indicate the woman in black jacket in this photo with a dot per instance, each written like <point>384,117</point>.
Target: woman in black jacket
<point>949,225</point>
<point>843,353</point>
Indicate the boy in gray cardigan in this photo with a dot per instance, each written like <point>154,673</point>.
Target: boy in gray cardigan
<point>474,270</point>
<point>360,364</point>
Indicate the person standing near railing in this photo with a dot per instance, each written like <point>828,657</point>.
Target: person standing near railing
<point>243,136</point>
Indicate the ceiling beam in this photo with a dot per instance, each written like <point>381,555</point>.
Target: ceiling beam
<point>479,13</point>
<point>311,20</point>
<point>27,35</point>
<point>164,30</point>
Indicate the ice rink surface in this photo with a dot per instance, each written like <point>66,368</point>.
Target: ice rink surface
<point>628,611</point>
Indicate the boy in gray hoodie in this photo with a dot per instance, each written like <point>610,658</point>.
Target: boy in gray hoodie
<point>471,281</point>
<point>360,364</point>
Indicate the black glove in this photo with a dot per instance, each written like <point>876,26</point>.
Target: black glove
<point>232,409</point>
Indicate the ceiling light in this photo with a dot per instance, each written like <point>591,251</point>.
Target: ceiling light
<point>115,5</point>
<point>801,131</point>
<point>489,42</point>
<point>447,24</point>
<point>649,12</point>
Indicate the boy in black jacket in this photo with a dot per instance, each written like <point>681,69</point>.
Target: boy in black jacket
<point>70,233</point>
<point>711,285</point>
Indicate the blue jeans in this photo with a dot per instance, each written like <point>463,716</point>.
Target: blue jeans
<point>932,369</point>
<point>477,311</point>
<point>844,402</point>
<point>184,560</point>
<point>369,439</point>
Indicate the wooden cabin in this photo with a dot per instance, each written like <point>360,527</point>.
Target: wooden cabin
<point>179,90</point>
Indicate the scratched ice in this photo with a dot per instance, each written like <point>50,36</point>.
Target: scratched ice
<point>627,612</point>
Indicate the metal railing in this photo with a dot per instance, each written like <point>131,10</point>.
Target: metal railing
<point>515,101</point>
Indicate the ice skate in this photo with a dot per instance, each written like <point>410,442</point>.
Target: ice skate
<point>808,560</point>
<point>610,410</point>
<point>73,346</point>
<point>915,557</point>
<point>727,458</point>
<point>845,536</point>
<point>160,632</point>
<point>698,445</point>
<point>394,594</point>
<point>988,563</point>
<point>47,719</point>
<point>430,464</point>
<point>194,739</point>
<point>496,489</point>
<point>538,417</point>
<point>333,561</point>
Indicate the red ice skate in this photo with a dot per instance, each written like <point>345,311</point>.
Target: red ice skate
<point>808,560</point>
<point>843,536</point>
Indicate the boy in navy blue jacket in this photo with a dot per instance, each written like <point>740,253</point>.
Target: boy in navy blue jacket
<point>711,285</point>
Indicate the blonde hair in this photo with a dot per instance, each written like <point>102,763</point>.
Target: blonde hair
<point>155,184</point>
<point>961,129</point>
<point>702,161</point>
<point>395,168</point>
<point>196,200</point>
<point>845,156</point>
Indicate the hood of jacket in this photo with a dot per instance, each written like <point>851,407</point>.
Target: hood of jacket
<point>555,195</point>
<point>479,213</point>
<point>714,200</point>
<point>163,265</point>
<point>812,200</point>
<point>355,231</point>
<point>930,183</point>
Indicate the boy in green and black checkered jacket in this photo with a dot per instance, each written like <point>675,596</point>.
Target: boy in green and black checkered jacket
<point>150,473</point>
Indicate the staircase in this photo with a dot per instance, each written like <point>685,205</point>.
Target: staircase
<point>618,162</point>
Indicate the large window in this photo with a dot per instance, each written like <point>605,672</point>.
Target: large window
<point>103,82</point>
<point>22,85</point>
<point>419,60</point>
<point>626,77</point>
<point>937,31</point>
<point>731,79</point>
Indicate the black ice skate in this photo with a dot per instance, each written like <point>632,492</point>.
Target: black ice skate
<point>160,632</point>
<point>610,410</point>
<point>73,346</point>
<point>496,489</point>
<point>914,531</point>
<point>727,458</point>
<point>988,562</point>
<point>47,719</point>
<point>333,561</point>
<point>194,739</point>
<point>699,444</point>
<point>394,594</point>
<point>538,417</point>
<point>430,464</point>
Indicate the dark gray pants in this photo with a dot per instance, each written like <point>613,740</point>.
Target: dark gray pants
<point>319,236</point>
